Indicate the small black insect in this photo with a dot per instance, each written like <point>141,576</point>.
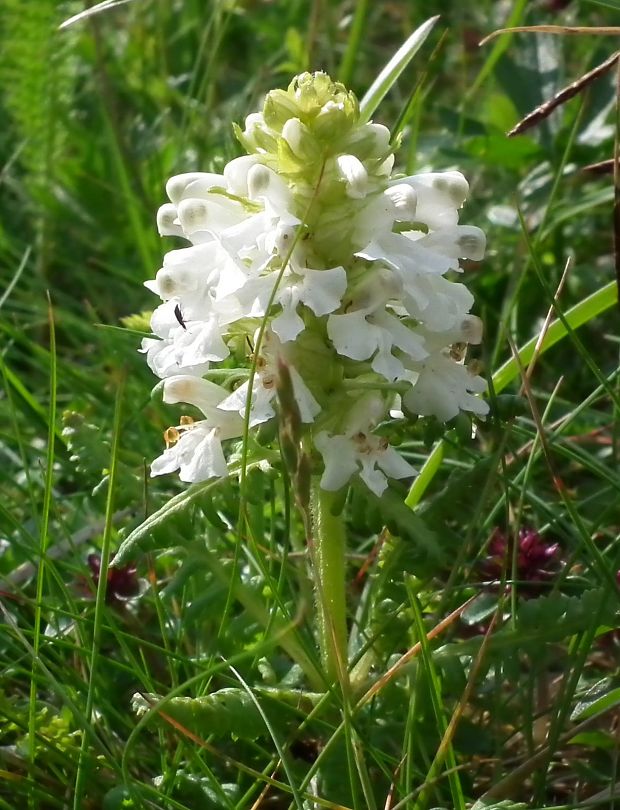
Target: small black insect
<point>179,316</point>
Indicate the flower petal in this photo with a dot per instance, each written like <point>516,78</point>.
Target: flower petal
<point>339,457</point>
<point>322,290</point>
<point>352,335</point>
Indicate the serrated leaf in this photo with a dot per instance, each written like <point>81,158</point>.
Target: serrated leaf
<point>546,619</point>
<point>233,712</point>
<point>461,490</point>
<point>142,538</point>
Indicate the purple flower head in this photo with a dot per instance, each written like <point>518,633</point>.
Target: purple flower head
<point>536,558</point>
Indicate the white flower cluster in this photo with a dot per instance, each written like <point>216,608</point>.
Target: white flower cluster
<point>344,267</point>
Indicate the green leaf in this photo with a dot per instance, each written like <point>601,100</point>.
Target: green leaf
<point>546,619</point>
<point>505,804</point>
<point>232,711</point>
<point>497,150</point>
<point>390,73</point>
<point>480,609</point>
<point>594,739</point>
<point>598,699</point>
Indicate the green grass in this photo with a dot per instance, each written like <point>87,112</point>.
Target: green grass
<point>96,117</point>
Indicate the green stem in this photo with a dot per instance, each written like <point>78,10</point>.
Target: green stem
<point>329,544</point>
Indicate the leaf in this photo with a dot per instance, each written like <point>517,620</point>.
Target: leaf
<point>390,73</point>
<point>598,699</point>
<point>232,711</point>
<point>505,804</point>
<point>143,538</point>
<point>480,609</point>
<point>496,150</point>
<point>594,739</point>
<point>529,73</point>
<point>460,491</point>
<point>544,620</point>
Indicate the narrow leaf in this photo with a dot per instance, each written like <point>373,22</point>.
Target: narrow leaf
<point>390,73</point>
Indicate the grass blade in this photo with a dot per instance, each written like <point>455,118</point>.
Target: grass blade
<point>390,73</point>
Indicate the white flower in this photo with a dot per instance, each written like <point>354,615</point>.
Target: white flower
<point>363,334</point>
<point>439,194</point>
<point>196,449</point>
<point>310,235</point>
<point>164,354</point>
<point>198,277</point>
<point>320,290</point>
<point>420,261</point>
<point>370,456</point>
<point>444,387</point>
<point>178,184</point>
<point>264,387</point>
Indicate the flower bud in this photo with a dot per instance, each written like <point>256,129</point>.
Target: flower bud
<point>354,175</point>
<point>257,136</point>
<point>279,106</point>
<point>300,140</point>
<point>167,221</point>
<point>175,187</point>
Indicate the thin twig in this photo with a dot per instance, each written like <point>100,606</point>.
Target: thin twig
<point>602,167</point>
<point>564,95</point>
<point>562,30</point>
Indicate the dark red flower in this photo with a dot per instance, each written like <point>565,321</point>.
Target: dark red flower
<point>122,582</point>
<point>536,558</point>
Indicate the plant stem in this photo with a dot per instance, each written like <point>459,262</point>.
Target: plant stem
<point>328,539</point>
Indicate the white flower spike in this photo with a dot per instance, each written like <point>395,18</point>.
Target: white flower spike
<point>345,270</point>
